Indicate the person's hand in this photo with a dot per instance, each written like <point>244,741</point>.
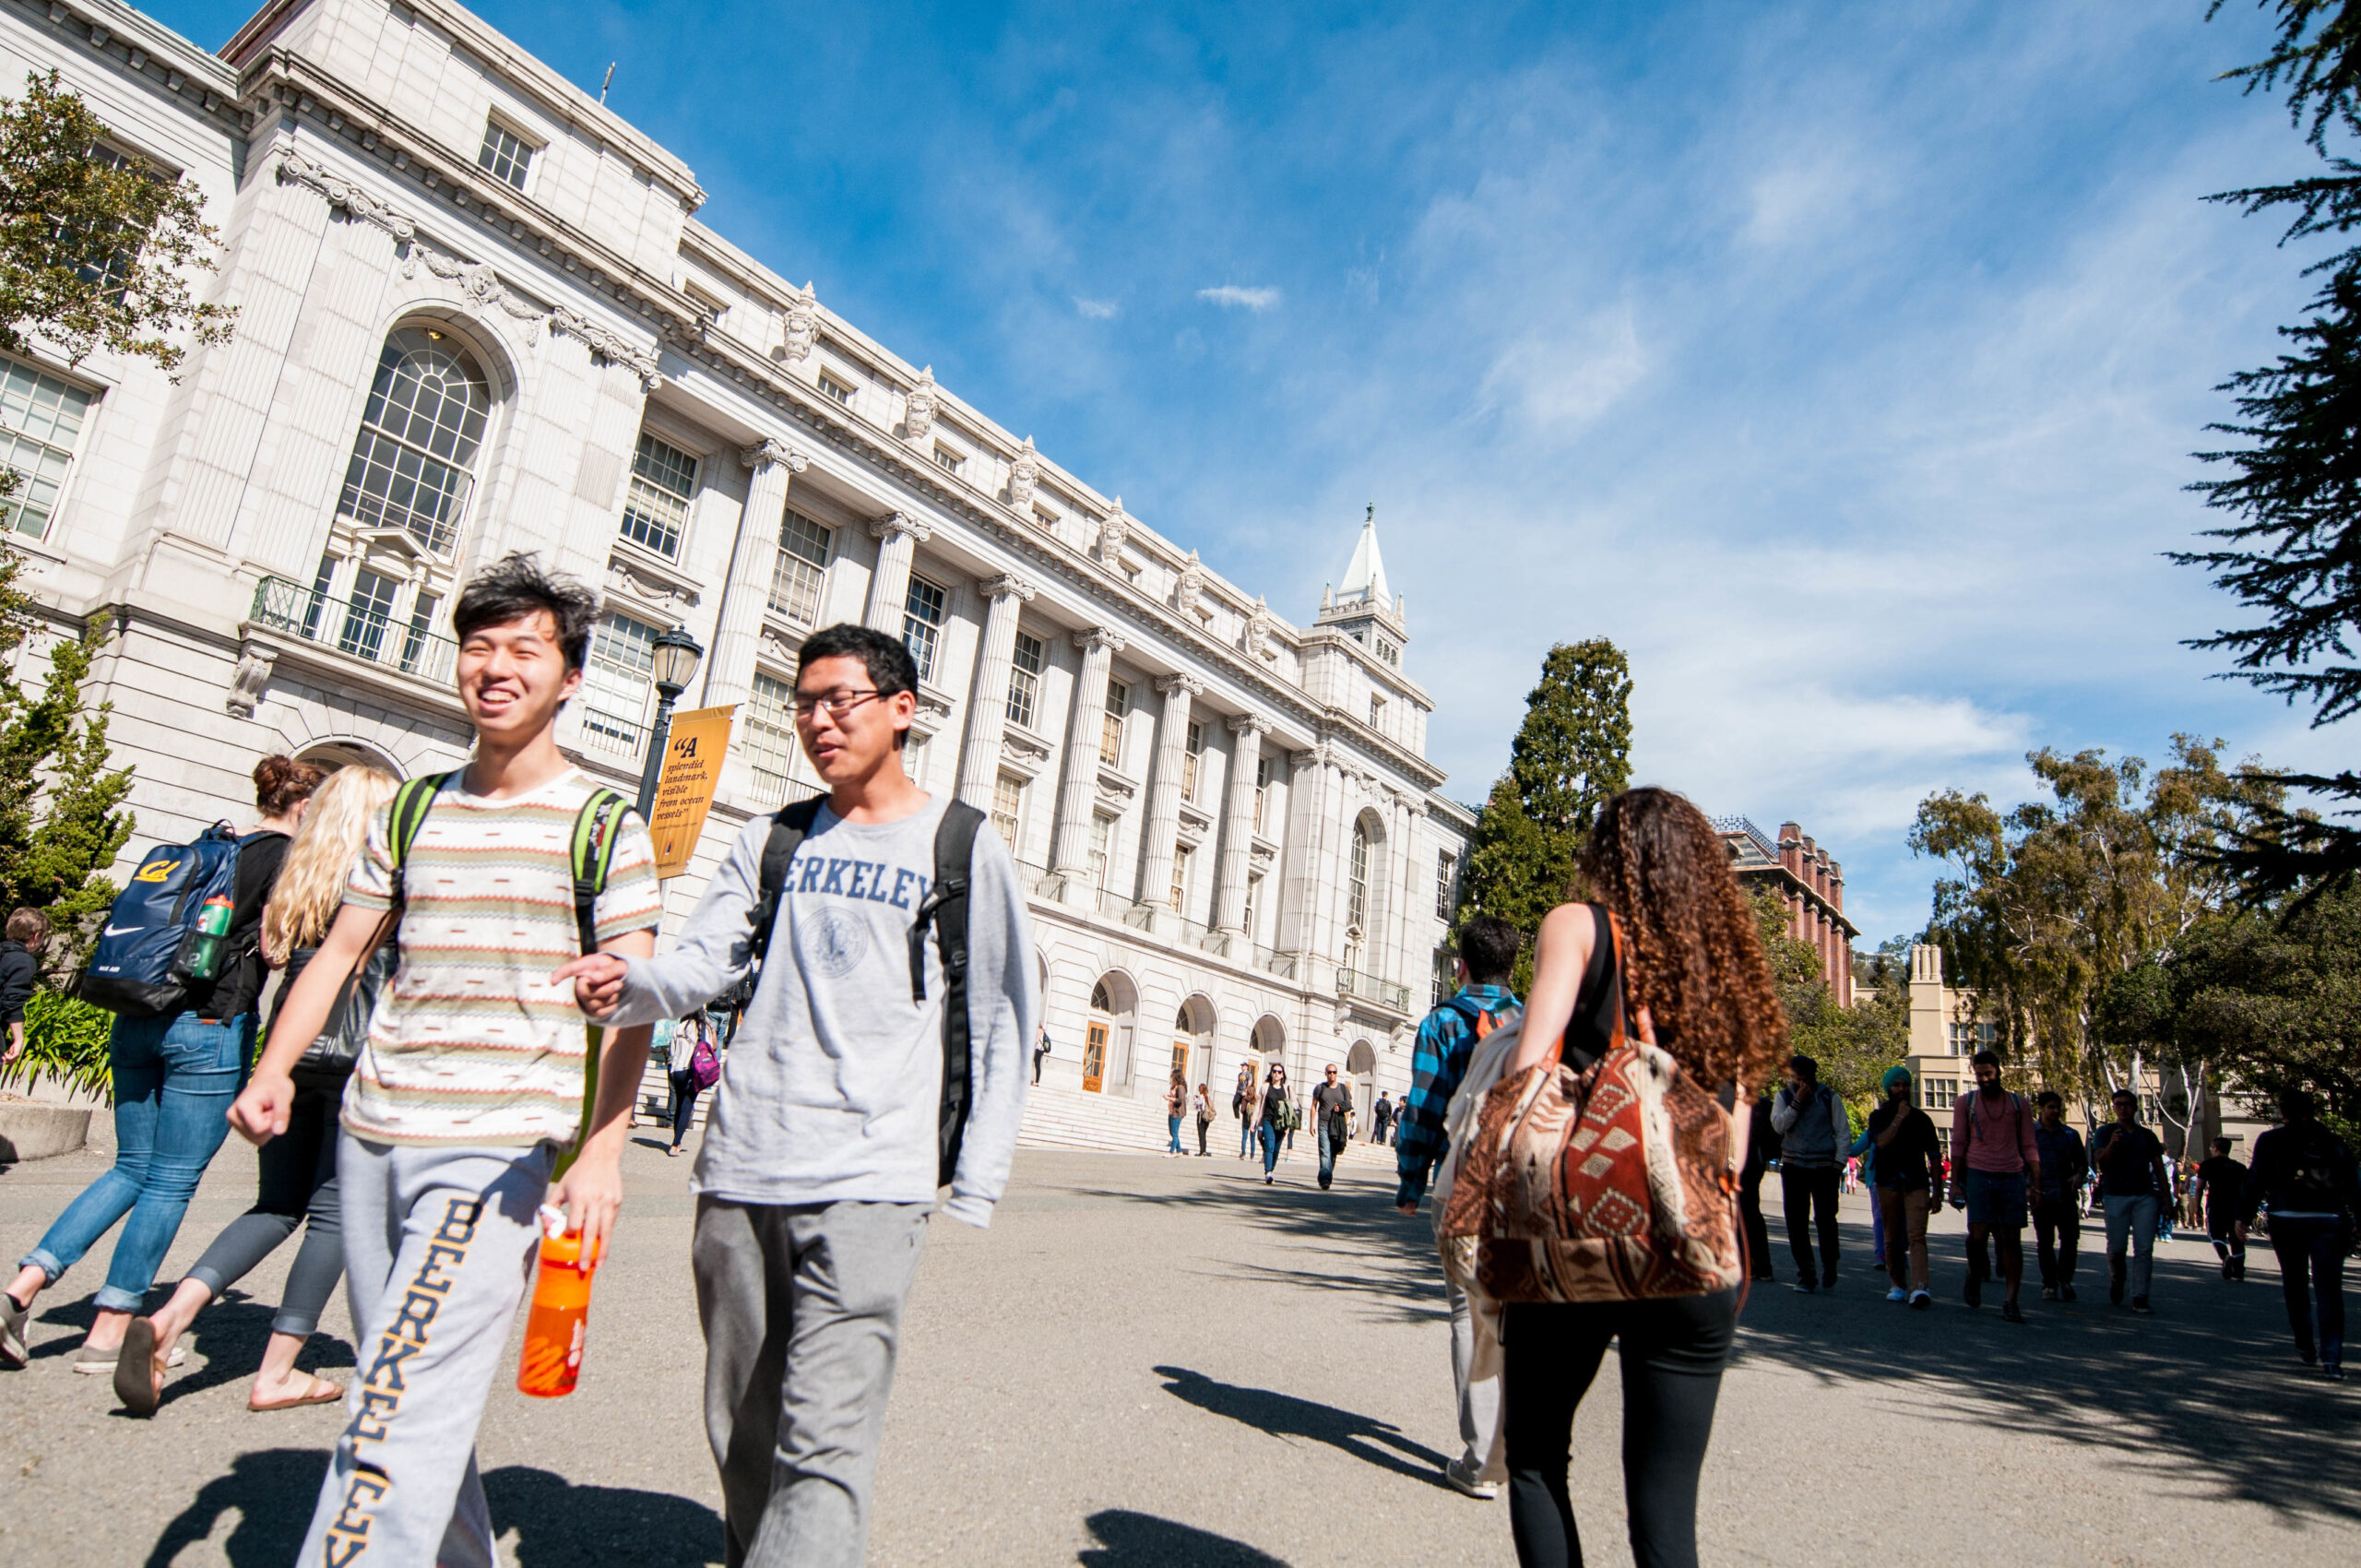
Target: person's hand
<point>11,1054</point>
<point>598,982</point>
<point>591,1193</point>
<point>1934,1205</point>
<point>259,1113</point>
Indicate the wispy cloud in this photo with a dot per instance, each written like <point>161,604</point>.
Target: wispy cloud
<point>1097,310</point>
<point>1230,296</point>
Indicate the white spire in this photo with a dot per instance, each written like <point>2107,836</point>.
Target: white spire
<point>1365,578</point>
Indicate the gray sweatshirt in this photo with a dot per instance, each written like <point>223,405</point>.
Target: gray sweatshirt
<point>1818,1133</point>
<point>834,1081</point>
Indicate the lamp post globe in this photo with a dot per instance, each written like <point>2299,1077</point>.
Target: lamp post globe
<point>674,657</point>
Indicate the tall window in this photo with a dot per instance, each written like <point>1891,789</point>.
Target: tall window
<point>421,625</point>
<point>914,750</point>
<point>1446,869</point>
<point>507,155</point>
<point>1191,759</point>
<point>768,728</point>
<point>426,419</point>
<point>922,625</point>
<point>618,684</point>
<point>40,418</point>
<point>1254,897</point>
<point>797,583</point>
<point>1008,810</point>
<point>1377,713</point>
<point>1110,728</point>
<point>663,481</point>
<point>1182,856</point>
<point>1025,681</point>
<point>367,613</point>
<point>1102,830</point>
<point>1262,790</point>
<point>1357,884</point>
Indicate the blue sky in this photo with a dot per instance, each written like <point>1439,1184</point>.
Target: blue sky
<point>1841,361</point>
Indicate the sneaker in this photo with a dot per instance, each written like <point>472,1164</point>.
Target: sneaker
<point>1766,1278</point>
<point>1897,1294</point>
<point>1804,1287</point>
<point>2334,1374</point>
<point>12,1332</point>
<point>2066,1292</point>
<point>2011,1312</point>
<point>102,1363</point>
<point>1876,1264</point>
<point>1464,1479</point>
<point>1974,1291</point>
<point>1920,1300</point>
<point>2140,1304</point>
<point>2049,1292</point>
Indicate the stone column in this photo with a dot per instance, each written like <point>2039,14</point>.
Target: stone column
<point>1164,788</point>
<point>899,537</point>
<point>729,673</point>
<point>1238,827</point>
<point>1078,771</point>
<point>988,696</point>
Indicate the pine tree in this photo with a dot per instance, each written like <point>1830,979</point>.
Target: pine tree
<point>59,826</point>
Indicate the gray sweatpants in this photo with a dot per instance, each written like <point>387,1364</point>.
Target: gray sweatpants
<point>438,1245</point>
<point>1479,1402</point>
<point>2133,1220</point>
<point>802,1310</point>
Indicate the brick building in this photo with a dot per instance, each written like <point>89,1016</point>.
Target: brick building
<point>1811,885</point>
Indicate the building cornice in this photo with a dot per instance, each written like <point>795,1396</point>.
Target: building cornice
<point>151,50</point>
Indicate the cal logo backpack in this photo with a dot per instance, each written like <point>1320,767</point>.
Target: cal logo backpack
<point>140,968</point>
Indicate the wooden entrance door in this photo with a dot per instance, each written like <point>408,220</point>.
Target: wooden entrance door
<point>1094,1057</point>
<point>1181,1059</point>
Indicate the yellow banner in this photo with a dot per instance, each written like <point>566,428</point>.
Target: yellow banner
<point>693,754</point>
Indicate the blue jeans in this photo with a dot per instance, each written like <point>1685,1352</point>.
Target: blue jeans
<point>1245,1137</point>
<point>1269,1148</point>
<point>174,1078</point>
<point>1175,1122</point>
<point>1332,1142</point>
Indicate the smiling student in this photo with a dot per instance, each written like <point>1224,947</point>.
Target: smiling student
<point>869,1073</point>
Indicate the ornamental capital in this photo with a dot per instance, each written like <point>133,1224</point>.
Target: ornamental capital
<point>1006,586</point>
<point>1248,725</point>
<point>900,525</point>
<point>1168,684</point>
<point>770,452</point>
<point>1099,637</point>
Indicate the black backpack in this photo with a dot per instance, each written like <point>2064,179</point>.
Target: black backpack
<point>2311,1185</point>
<point>946,905</point>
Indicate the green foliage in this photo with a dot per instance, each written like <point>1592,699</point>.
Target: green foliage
<point>95,250</point>
<point>66,1041</point>
<point>1852,1045</point>
<point>1572,753</point>
<point>60,825</point>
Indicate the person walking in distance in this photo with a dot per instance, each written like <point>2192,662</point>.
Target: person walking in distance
<point>2058,1211</point>
<point>1381,1118</point>
<point>19,972</point>
<point>1332,1107</point>
<point>1277,1117</point>
<point>1040,1049</point>
<point>1814,1133</point>
<point>1999,1167</point>
<point>1201,1105</point>
<point>1176,1107</point>
<point>2304,1178</point>
<point>1761,1148</point>
<point>875,1068</point>
<point>297,1169</point>
<point>1243,1101</point>
<point>2221,1198</point>
<point>473,1075</point>
<point>681,1072</point>
<point>2133,1184</point>
<point>1693,978</point>
<point>174,1075</point>
<point>1903,1160</point>
<point>1446,1041</point>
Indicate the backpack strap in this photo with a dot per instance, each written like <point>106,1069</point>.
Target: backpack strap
<point>790,826</point>
<point>946,905</point>
<point>406,816</point>
<point>591,852</point>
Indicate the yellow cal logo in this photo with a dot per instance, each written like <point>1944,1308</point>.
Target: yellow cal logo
<point>157,871</point>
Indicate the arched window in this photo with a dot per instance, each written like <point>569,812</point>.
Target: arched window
<point>1356,886</point>
<point>425,421</point>
<point>1099,1001</point>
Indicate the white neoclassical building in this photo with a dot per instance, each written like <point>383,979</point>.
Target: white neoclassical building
<point>477,314</point>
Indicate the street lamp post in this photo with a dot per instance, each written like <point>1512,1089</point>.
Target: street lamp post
<point>675,666</point>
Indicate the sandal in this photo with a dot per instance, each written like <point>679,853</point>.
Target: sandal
<point>322,1391</point>
<point>138,1371</point>
<point>102,1363</point>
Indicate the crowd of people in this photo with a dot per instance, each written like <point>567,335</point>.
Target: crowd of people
<point>429,1105</point>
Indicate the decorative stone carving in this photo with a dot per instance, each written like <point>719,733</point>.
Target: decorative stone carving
<point>1188,588</point>
<point>1006,586</point>
<point>478,282</point>
<point>933,702</point>
<point>248,681</point>
<point>918,416</point>
<point>899,523</point>
<point>803,325</point>
<point>1168,684</point>
<point>1023,751</point>
<point>1024,475</point>
<point>1248,726</point>
<point>358,204</point>
<point>1115,789</point>
<point>629,577</point>
<point>777,647</point>
<point>771,452</point>
<point>1260,624</point>
<point>1099,637</point>
<point>1113,530</point>
<point>609,346</point>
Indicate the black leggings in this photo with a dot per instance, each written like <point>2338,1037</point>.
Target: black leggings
<point>1672,1355</point>
<point>684,1102</point>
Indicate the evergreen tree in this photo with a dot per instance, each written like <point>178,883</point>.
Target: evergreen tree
<point>60,827</point>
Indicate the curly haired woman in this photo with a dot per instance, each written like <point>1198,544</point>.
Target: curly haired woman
<point>1695,981</point>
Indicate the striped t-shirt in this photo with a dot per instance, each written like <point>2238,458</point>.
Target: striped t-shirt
<point>471,1043</point>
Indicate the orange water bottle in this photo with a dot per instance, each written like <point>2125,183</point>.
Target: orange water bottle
<point>554,1334</point>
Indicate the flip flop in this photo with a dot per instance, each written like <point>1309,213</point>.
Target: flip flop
<point>323,1393</point>
<point>138,1371</point>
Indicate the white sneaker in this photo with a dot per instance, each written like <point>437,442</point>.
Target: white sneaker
<point>1897,1294</point>
<point>1464,1479</point>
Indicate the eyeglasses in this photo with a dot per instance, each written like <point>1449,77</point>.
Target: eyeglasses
<point>839,704</point>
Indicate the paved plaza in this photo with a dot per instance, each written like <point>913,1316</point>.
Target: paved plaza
<point>1152,1363</point>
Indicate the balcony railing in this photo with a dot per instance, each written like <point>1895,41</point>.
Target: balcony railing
<point>1368,988</point>
<point>354,627</point>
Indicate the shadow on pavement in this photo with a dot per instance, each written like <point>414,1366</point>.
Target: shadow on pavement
<point>560,1525</point>
<point>230,1334</point>
<point>2208,1391</point>
<point>1284,1415</point>
<point>272,1491</point>
<point>1142,1540</point>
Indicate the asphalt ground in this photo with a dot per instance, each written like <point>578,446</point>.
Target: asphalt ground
<point>1152,1363</point>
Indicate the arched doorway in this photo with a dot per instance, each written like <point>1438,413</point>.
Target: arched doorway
<point>330,756</point>
<point>1106,1035</point>
<point>1361,1068</point>
<point>1193,1039</point>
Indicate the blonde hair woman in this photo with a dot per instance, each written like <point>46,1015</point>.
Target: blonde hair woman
<point>298,1170</point>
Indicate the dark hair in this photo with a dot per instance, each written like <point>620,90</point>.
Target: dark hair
<point>2125,1094</point>
<point>1803,1066</point>
<point>514,587</point>
<point>2221,1146</point>
<point>1488,948</point>
<point>26,926</point>
<point>1983,1056</point>
<point>281,783</point>
<point>887,658</point>
<point>2296,1105</point>
<point>2049,1096</point>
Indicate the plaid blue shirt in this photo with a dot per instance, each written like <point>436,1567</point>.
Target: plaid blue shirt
<point>1446,1041</point>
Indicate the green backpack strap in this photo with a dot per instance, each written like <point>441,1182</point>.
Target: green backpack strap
<point>407,815</point>
<point>591,853</point>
